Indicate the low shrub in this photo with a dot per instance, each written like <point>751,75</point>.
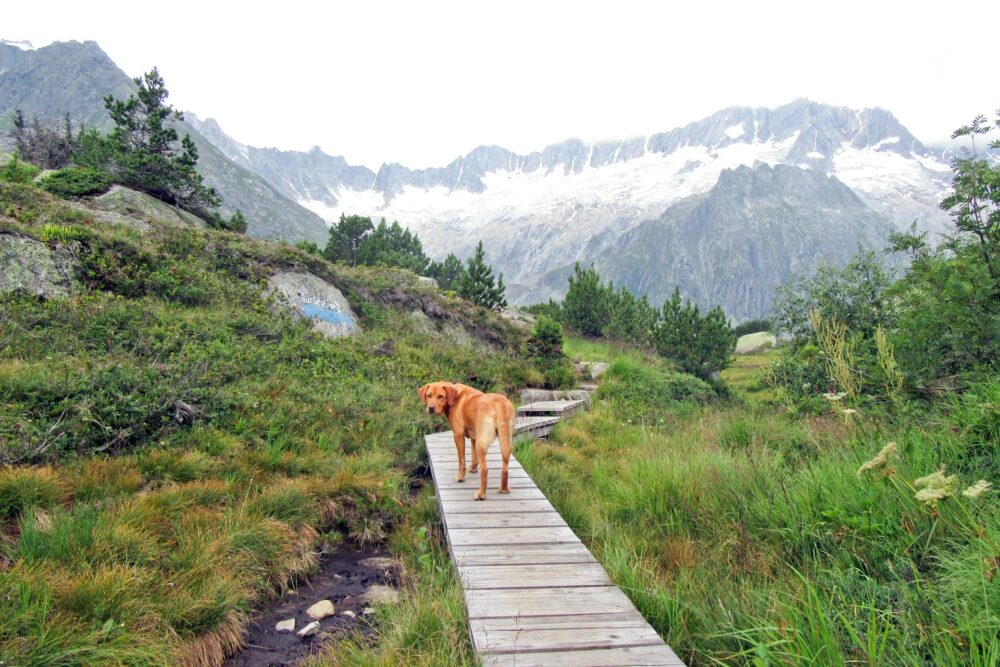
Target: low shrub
<point>75,182</point>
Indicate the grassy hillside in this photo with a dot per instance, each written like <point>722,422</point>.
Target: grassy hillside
<point>748,534</point>
<point>128,537</point>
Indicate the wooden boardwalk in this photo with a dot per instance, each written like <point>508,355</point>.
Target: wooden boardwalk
<point>535,594</point>
<point>557,408</point>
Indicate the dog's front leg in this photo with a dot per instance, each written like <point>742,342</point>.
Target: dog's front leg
<point>460,446</point>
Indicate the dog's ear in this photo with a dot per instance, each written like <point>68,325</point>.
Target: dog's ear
<point>450,393</point>
<point>422,392</point>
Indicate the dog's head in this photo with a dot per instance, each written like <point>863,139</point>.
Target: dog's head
<point>438,396</point>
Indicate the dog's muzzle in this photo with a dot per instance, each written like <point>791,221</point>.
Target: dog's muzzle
<point>430,410</point>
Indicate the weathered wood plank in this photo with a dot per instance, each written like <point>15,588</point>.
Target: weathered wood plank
<point>508,536</point>
<point>466,493</point>
<point>639,656</point>
<point>583,621</point>
<point>638,633</point>
<point>533,576</point>
<point>492,603</point>
<point>505,520</point>
<point>562,408</point>
<point>470,506</point>
<point>521,554</point>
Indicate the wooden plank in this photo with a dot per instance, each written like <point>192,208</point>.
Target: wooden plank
<point>533,576</point>
<point>580,622</point>
<point>570,637</point>
<point>493,603</point>
<point>504,520</point>
<point>639,656</point>
<point>521,554</point>
<point>556,407</point>
<point>467,493</point>
<point>470,506</point>
<point>507,536</point>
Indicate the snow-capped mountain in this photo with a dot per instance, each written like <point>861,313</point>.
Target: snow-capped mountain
<point>572,200</point>
<point>578,197</point>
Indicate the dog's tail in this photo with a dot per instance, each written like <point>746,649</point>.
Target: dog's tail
<point>505,433</point>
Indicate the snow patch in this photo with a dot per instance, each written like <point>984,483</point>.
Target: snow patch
<point>815,155</point>
<point>735,131</point>
<point>24,44</point>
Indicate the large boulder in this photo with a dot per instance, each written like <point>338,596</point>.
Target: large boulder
<point>755,342</point>
<point>317,300</point>
<point>137,204</point>
<point>30,267</point>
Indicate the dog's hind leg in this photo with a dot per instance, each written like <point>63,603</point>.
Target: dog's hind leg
<point>475,462</point>
<point>484,438</point>
<point>460,446</point>
<point>504,430</point>
<point>481,458</point>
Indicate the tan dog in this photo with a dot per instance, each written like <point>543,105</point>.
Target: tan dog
<point>478,416</point>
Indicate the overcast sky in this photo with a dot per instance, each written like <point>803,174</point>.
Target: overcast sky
<point>421,83</point>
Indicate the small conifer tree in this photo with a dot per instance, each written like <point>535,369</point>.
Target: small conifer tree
<point>478,284</point>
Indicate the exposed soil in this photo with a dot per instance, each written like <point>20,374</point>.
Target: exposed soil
<point>343,578</point>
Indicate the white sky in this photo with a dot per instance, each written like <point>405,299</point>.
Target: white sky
<point>422,82</point>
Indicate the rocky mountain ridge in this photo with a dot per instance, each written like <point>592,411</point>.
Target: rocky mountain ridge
<point>580,198</point>
<point>732,245</point>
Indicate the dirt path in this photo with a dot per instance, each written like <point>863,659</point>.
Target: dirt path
<point>343,578</point>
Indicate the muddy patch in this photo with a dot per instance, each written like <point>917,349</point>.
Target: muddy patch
<point>351,580</point>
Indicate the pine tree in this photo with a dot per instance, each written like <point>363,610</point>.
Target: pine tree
<point>142,152</point>
<point>478,284</point>
<point>698,345</point>
<point>448,273</point>
<point>346,238</point>
<point>586,307</point>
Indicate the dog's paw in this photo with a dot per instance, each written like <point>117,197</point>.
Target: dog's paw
<point>479,496</point>
<point>474,468</point>
<point>460,476</point>
<point>503,490</point>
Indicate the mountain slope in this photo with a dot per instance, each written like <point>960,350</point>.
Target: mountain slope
<point>732,245</point>
<point>75,77</point>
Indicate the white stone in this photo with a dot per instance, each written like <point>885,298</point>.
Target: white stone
<point>348,613</point>
<point>381,594</point>
<point>309,630</point>
<point>285,626</point>
<point>321,610</point>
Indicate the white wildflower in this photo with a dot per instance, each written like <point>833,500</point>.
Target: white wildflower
<point>977,489</point>
<point>839,396</point>
<point>881,459</point>
<point>934,487</point>
<point>849,414</point>
<point>931,495</point>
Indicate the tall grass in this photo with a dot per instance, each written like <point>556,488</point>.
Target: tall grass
<point>746,535</point>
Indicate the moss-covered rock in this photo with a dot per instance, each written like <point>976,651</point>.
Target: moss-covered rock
<point>136,204</point>
<point>30,267</point>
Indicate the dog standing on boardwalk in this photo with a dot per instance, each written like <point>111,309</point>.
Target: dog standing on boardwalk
<point>478,416</point>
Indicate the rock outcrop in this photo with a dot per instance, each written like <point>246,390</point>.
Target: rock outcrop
<point>134,204</point>
<point>31,267</point>
<point>317,300</point>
